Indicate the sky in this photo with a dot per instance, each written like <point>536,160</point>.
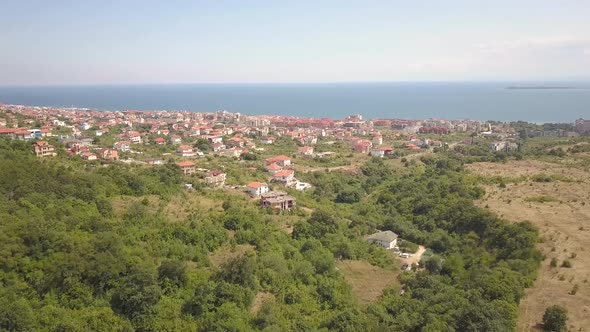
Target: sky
<point>62,42</point>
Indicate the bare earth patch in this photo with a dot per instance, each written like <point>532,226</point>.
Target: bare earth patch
<point>367,281</point>
<point>564,224</point>
<point>415,258</point>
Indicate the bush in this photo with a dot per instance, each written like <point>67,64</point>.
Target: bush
<point>540,199</point>
<point>566,263</point>
<point>553,262</point>
<point>348,196</point>
<point>555,318</point>
<point>407,246</point>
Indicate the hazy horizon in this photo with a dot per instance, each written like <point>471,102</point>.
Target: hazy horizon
<point>502,82</point>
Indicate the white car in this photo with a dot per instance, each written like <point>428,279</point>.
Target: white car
<point>404,255</point>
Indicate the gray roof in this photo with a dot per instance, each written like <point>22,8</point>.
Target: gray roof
<point>386,236</point>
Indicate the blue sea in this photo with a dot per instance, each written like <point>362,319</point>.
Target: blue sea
<point>473,100</point>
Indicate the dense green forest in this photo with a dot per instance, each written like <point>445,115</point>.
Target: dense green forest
<point>68,262</point>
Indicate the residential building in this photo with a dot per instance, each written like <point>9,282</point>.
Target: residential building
<point>582,126</point>
<point>185,151</point>
<point>134,137</point>
<point>43,149</point>
<point>230,153</point>
<point>187,167</point>
<point>89,156</point>
<point>175,139</point>
<point>108,154</point>
<point>283,161</point>
<point>273,168</point>
<point>378,139</point>
<point>382,151</point>
<point>386,239</point>
<point>285,176</point>
<point>267,140</point>
<point>122,146</point>
<point>216,147</point>
<point>363,146</point>
<point>256,189</point>
<point>215,178</point>
<point>306,151</point>
<point>277,200</point>
<point>160,141</point>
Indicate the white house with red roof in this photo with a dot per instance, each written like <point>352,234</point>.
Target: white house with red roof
<point>187,167</point>
<point>217,146</point>
<point>281,160</point>
<point>267,140</point>
<point>286,176</point>
<point>43,149</point>
<point>123,146</point>
<point>382,151</point>
<point>378,139</point>
<point>175,139</point>
<point>160,141</point>
<point>256,189</point>
<point>306,151</point>
<point>216,178</point>
<point>133,136</point>
<point>185,151</point>
<point>363,146</point>
<point>273,168</point>
<point>89,156</point>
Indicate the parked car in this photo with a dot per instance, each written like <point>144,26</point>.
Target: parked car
<point>405,266</point>
<point>404,255</point>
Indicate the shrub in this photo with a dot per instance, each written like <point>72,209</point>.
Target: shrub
<point>555,318</point>
<point>574,290</point>
<point>553,262</point>
<point>540,199</point>
<point>566,263</point>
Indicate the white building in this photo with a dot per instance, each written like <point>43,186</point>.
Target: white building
<point>387,239</point>
<point>256,189</point>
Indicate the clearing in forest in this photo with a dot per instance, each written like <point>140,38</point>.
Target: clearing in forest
<point>367,281</point>
<point>561,211</point>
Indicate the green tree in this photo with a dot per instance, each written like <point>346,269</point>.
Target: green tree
<point>137,295</point>
<point>555,318</point>
<point>172,272</point>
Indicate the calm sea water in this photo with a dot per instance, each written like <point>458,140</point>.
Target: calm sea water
<point>481,101</point>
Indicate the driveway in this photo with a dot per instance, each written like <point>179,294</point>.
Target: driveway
<point>415,258</point>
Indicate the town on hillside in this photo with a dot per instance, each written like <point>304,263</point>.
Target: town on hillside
<point>258,155</point>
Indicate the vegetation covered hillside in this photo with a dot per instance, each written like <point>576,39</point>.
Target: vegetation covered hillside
<point>75,258</point>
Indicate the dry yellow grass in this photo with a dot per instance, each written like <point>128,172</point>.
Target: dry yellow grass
<point>565,230</point>
<point>122,204</point>
<point>186,203</point>
<point>225,253</point>
<point>367,281</point>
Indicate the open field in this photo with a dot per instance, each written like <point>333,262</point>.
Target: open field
<point>367,281</point>
<point>561,210</point>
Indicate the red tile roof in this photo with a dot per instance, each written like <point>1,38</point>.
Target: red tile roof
<point>256,184</point>
<point>185,164</point>
<point>285,172</point>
